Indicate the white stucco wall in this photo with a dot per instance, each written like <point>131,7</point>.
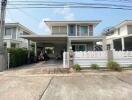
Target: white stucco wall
<point>20,42</point>
<point>129,29</point>
<point>123,33</point>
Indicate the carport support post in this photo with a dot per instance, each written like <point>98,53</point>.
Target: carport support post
<point>28,51</point>
<point>112,45</point>
<point>104,43</point>
<point>35,49</point>
<point>35,52</point>
<point>122,43</point>
<point>68,44</point>
<point>94,45</point>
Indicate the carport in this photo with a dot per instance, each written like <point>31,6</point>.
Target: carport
<point>58,44</point>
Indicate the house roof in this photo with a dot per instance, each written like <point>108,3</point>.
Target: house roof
<point>93,22</point>
<point>20,25</point>
<point>125,22</point>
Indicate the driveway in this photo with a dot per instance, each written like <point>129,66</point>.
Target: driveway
<point>90,85</point>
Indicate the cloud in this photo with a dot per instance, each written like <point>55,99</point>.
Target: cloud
<point>65,12</point>
<point>44,27</point>
<point>8,20</point>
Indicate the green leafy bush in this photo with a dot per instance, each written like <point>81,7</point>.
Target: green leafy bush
<point>19,56</point>
<point>94,66</point>
<point>130,66</point>
<point>114,66</point>
<point>77,67</point>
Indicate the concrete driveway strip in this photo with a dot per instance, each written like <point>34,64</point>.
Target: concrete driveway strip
<point>100,87</point>
<point>22,88</point>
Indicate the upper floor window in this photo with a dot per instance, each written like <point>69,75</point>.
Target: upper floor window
<point>72,30</point>
<point>55,29</point>
<point>59,29</point>
<point>8,31</point>
<point>90,30</point>
<point>83,30</point>
<point>63,29</point>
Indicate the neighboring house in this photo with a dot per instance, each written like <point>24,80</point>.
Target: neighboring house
<point>12,38</point>
<point>65,34</point>
<point>119,37</point>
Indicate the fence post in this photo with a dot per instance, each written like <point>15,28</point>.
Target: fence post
<point>110,55</point>
<point>64,59</point>
<point>70,57</point>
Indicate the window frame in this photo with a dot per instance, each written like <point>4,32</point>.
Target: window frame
<point>90,30</point>
<point>77,46</point>
<point>74,33</point>
<point>80,34</point>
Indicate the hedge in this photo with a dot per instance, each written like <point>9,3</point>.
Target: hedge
<point>19,56</point>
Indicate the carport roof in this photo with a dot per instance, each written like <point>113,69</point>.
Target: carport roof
<point>59,39</point>
<point>45,38</point>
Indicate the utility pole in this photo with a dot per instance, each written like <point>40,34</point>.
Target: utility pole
<point>3,62</point>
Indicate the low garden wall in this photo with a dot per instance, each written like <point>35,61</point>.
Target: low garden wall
<point>86,59</point>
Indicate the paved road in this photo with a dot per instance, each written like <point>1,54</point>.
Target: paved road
<point>32,83</point>
<point>88,88</point>
<point>80,86</point>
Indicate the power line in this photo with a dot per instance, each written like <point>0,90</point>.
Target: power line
<point>73,7</point>
<point>46,4</point>
<point>23,1</point>
<point>63,4</point>
<point>121,1</point>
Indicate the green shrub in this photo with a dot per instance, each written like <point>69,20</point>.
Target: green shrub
<point>19,56</point>
<point>112,65</point>
<point>77,67</point>
<point>130,66</point>
<point>94,66</point>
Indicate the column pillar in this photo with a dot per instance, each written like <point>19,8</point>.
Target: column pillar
<point>76,29</point>
<point>112,45</point>
<point>104,43</point>
<point>94,44</point>
<point>68,45</point>
<point>122,43</point>
<point>35,49</point>
<point>28,51</point>
<point>8,44</point>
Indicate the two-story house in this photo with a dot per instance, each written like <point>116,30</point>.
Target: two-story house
<point>12,38</point>
<point>65,34</point>
<point>119,37</point>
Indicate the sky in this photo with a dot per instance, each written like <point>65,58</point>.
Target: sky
<point>34,18</point>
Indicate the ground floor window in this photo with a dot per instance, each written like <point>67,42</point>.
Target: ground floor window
<point>13,45</point>
<point>79,47</point>
<point>5,45</point>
